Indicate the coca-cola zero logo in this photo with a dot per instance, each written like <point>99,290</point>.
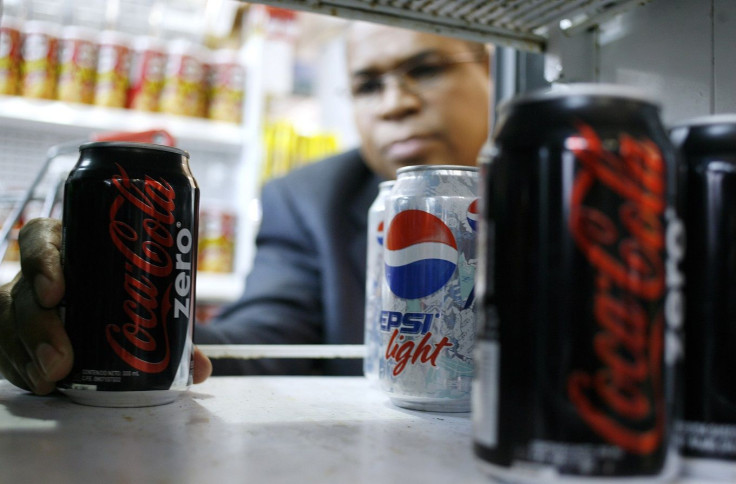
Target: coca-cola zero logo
<point>623,400</point>
<point>142,340</point>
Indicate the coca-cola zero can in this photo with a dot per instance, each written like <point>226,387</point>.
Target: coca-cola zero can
<point>580,290</point>
<point>707,431</point>
<point>129,254</point>
<point>427,324</point>
<point>374,281</point>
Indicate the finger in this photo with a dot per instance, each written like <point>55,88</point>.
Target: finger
<point>43,337</point>
<point>40,242</point>
<point>202,366</point>
<point>13,355</point>
<point>14,361</point>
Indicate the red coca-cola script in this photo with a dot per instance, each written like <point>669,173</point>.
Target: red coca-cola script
<point>146,251</point>
<point>622,400</point>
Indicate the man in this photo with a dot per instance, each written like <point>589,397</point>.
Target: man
<point>418,99</point>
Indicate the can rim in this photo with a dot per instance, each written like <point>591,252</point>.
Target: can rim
<point>133,144</point>
<point>600,90</point>
<point>706,120</point>
<point>407,169</point>
<point>386,183</point>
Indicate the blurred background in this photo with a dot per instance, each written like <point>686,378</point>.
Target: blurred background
<point>251,91</point>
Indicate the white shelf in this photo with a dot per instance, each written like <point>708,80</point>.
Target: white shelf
<point>280,430</point>
<point>215,288</point>
<point>211,288</point>
<point>101,119</point>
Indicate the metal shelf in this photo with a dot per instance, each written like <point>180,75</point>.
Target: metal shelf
<point>522,24</point>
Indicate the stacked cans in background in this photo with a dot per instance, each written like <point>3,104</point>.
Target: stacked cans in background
<point>129,252</point>
<point>39,59</point>
<point>580,290</point>
<point>10,55</point>
<point>113,69</point>
<point>44,60</point>
<point>78,52</point>
<point>185,80</point>
<point>147,70</point>
<point>707,431</point>
<point>426,326</point>
<point>374,281</point>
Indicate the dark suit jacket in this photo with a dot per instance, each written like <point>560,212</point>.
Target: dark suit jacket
<point>307,283</point>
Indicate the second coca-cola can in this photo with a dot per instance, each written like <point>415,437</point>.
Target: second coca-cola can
<point>580,290</point>
<point>707,430</point>
<point>427,321</point>
<point>129,254</point>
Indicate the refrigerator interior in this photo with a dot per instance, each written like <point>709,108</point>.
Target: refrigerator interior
<point>678,50</point>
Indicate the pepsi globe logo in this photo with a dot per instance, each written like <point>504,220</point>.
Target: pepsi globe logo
<point>379,233</point>
<point>473,215</point>
<point>420,254</point>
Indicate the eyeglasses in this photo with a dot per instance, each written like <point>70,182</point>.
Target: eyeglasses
<point>419,75</point>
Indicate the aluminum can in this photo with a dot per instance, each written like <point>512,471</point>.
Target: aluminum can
<point>427,323</point>
<point>185,78</point>
<point>707,431</point>
<point>129,252</point>
<point>78,52</point>
<point>40,59</point>
<point>10,58</point>
<point>146,79</point>
<point>217,225</point>
<point>374,281</point>
<point>113,69</point>
<point>226,88</point>
<point>580,290</point>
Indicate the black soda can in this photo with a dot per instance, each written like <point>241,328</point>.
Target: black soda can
<point>129,254</point>
<point>580,290</point>
<point>707,431</point>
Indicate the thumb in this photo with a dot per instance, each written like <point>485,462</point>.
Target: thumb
<point>202,366</point>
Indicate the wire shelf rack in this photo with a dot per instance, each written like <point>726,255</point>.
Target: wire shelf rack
<point>522,24</point>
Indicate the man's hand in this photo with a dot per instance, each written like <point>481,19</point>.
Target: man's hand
<point>35,351</point>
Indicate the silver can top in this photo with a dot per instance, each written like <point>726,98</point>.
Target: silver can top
<point>417,168</point>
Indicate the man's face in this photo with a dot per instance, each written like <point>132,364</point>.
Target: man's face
<point>431,108</point>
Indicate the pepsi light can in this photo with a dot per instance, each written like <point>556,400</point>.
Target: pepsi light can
<point>427,324</point>
<point>373,281</point>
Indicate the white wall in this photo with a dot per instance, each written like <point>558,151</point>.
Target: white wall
<point>683,51</point>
